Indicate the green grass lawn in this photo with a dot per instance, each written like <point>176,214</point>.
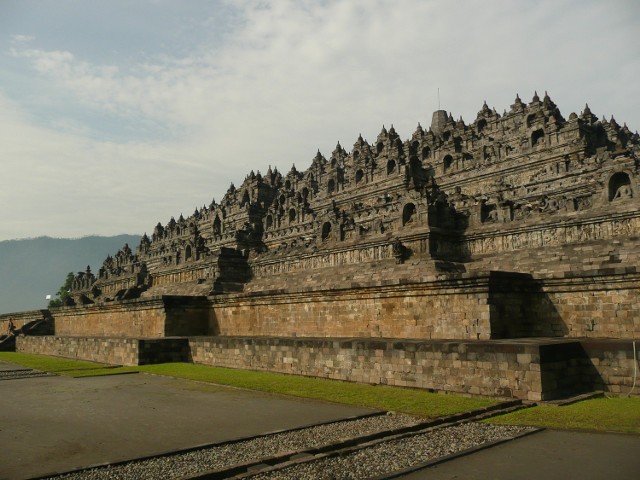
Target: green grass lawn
<point>62,366</point>
<point>414,402</point>
<point>614,414</point>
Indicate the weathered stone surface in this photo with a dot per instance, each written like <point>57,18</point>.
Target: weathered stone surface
<point>409,262</point>
<point>527,191</point>
<point>115,351</point>
<point>151,317</point>
<point>530,370</point>
<point>21,319</point>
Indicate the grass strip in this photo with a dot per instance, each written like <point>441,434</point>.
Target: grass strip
<point>608,414</point>
<point>411,401</point>
<point>414,402</point>
<point>58,365</point>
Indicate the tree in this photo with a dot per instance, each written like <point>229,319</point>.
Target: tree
<point>63,292</point>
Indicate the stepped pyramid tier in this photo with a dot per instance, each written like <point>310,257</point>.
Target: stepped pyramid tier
<point>453,198</point>
<point>498,257</point>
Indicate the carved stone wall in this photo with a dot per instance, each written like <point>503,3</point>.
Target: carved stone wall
<point>445,309</point>
<point>461,238</point>
<point>144,318</point>
<point>394,238</point>
<point>115,351</point>
<point>460,193</point>
<point>528,370</point>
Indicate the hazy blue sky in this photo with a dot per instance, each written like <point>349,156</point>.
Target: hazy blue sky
<point>117,114</point>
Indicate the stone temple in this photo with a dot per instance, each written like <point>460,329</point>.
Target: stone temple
<point>495,258</point>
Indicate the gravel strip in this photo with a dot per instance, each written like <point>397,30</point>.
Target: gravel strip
<point>395,455</point>
<point>215,458</point>
<point>13,374</point>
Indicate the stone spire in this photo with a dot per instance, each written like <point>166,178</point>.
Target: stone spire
<point>439,121</point>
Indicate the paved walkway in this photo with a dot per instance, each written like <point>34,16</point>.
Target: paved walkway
<point>547,455</point>
<point>56,423</point>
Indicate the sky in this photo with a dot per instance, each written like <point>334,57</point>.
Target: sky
<point>116,115</point>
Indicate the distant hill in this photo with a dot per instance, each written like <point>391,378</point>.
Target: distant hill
<point>32,268</point>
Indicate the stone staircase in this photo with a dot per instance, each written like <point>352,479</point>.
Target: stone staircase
<point>33,328</point>
<point>7,343</point>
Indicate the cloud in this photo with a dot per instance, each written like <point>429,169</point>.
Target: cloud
<point>63,184</point>
<point>16,39</point>
<point>139,142</point>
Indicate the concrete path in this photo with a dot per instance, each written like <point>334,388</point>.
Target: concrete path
<point>547,455</point>
<point>50,424</point>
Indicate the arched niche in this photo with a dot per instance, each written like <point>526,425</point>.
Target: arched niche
<point>485,153</point>
<point>408,214</point>
<point>447,161</point>
<point>488,213</point>
<point>268,222</point>
<point>331,186</point>
<point>482,124</point>
<point>292,215</point>
<point>359,177</point>
<point>537,136</point>
<point>426,152</point>
<point>326,231</point>
<point>391,166</point>
<point>187,253</point>
<point>217,226</point>
<point>619,187</point>
<point>245,198</point>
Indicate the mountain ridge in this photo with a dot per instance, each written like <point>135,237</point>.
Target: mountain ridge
<point>32,268</point>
